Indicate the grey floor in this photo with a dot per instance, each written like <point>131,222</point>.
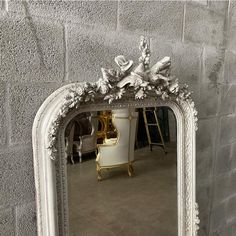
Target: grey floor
<point>145,204</point>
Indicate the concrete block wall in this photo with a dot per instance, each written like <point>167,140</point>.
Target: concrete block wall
<point>45,44</point>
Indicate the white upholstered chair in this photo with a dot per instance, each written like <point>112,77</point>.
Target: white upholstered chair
<point>119,151</point>
<point>84,143</point>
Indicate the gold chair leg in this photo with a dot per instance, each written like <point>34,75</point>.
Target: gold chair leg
<point>99,172</point>
<point>130,170</point>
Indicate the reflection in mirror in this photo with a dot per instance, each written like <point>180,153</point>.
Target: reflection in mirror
<point>121,171</point>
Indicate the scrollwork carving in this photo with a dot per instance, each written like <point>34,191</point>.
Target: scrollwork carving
<point>128,85</point>
<point>125,83</point>
<point>197,220</point>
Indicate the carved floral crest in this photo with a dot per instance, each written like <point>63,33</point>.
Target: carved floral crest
<point>138,81</point>
<point>125,82</point>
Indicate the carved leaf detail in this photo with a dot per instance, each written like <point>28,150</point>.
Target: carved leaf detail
<point>137,84</point>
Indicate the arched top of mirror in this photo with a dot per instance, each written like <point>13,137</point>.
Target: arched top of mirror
<point>126,86</point>
<point>127,82</point>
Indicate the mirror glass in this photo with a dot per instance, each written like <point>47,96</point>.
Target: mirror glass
<point>121,168</point>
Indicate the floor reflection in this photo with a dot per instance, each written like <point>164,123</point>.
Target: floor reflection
<point>145,204</point>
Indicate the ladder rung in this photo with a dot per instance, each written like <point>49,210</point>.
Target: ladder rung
<point>147,125</point>
<point>149,109</point>
<point>157,144</point>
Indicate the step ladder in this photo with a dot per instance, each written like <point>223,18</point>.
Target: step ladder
<point>153,113</point>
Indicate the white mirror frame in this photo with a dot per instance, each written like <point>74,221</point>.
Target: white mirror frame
<point>141,87</point>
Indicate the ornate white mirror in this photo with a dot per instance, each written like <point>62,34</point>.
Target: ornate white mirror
<point>109,112</point>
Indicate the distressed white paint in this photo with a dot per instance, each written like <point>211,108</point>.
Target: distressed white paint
<point>45,176</point>
<point>150,88</point>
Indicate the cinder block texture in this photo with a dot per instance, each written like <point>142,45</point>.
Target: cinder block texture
<point>224,160</point>
<point>219,7</point>
<point>98,13</point>
<point>221,188</point>
<point>50,41</point>
<point>232,183</point>
<point>160,47</point>
<point>17,157</point>
<point>159,18</point>
<point>213,64</point>
<point>203,25</point>
<point>16,176</point>
<point>204,197</point>
<point>224,230</point>
<point>233,155</point>
<point>232,228</point>
<point>16,6</point>
<point>224,187</point>
<point>201,2</point>
<point>7,219</point>
<point>206,133</point>
<point>218,217</point>
<point>204,165</point>
<point>227,129</point>
<point>17,187</point>
<point>25,101</point>
<point>3,122</point>
<point>90,50</point>
<point>231,207</point>
<point>26,220</point>
<point>181,55</point>
<point>228,98</point>
<point>230,69</point>
<point>186,54</point>
<point>232,26</point>
<point>31,50</point>
<point>208,102</point>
